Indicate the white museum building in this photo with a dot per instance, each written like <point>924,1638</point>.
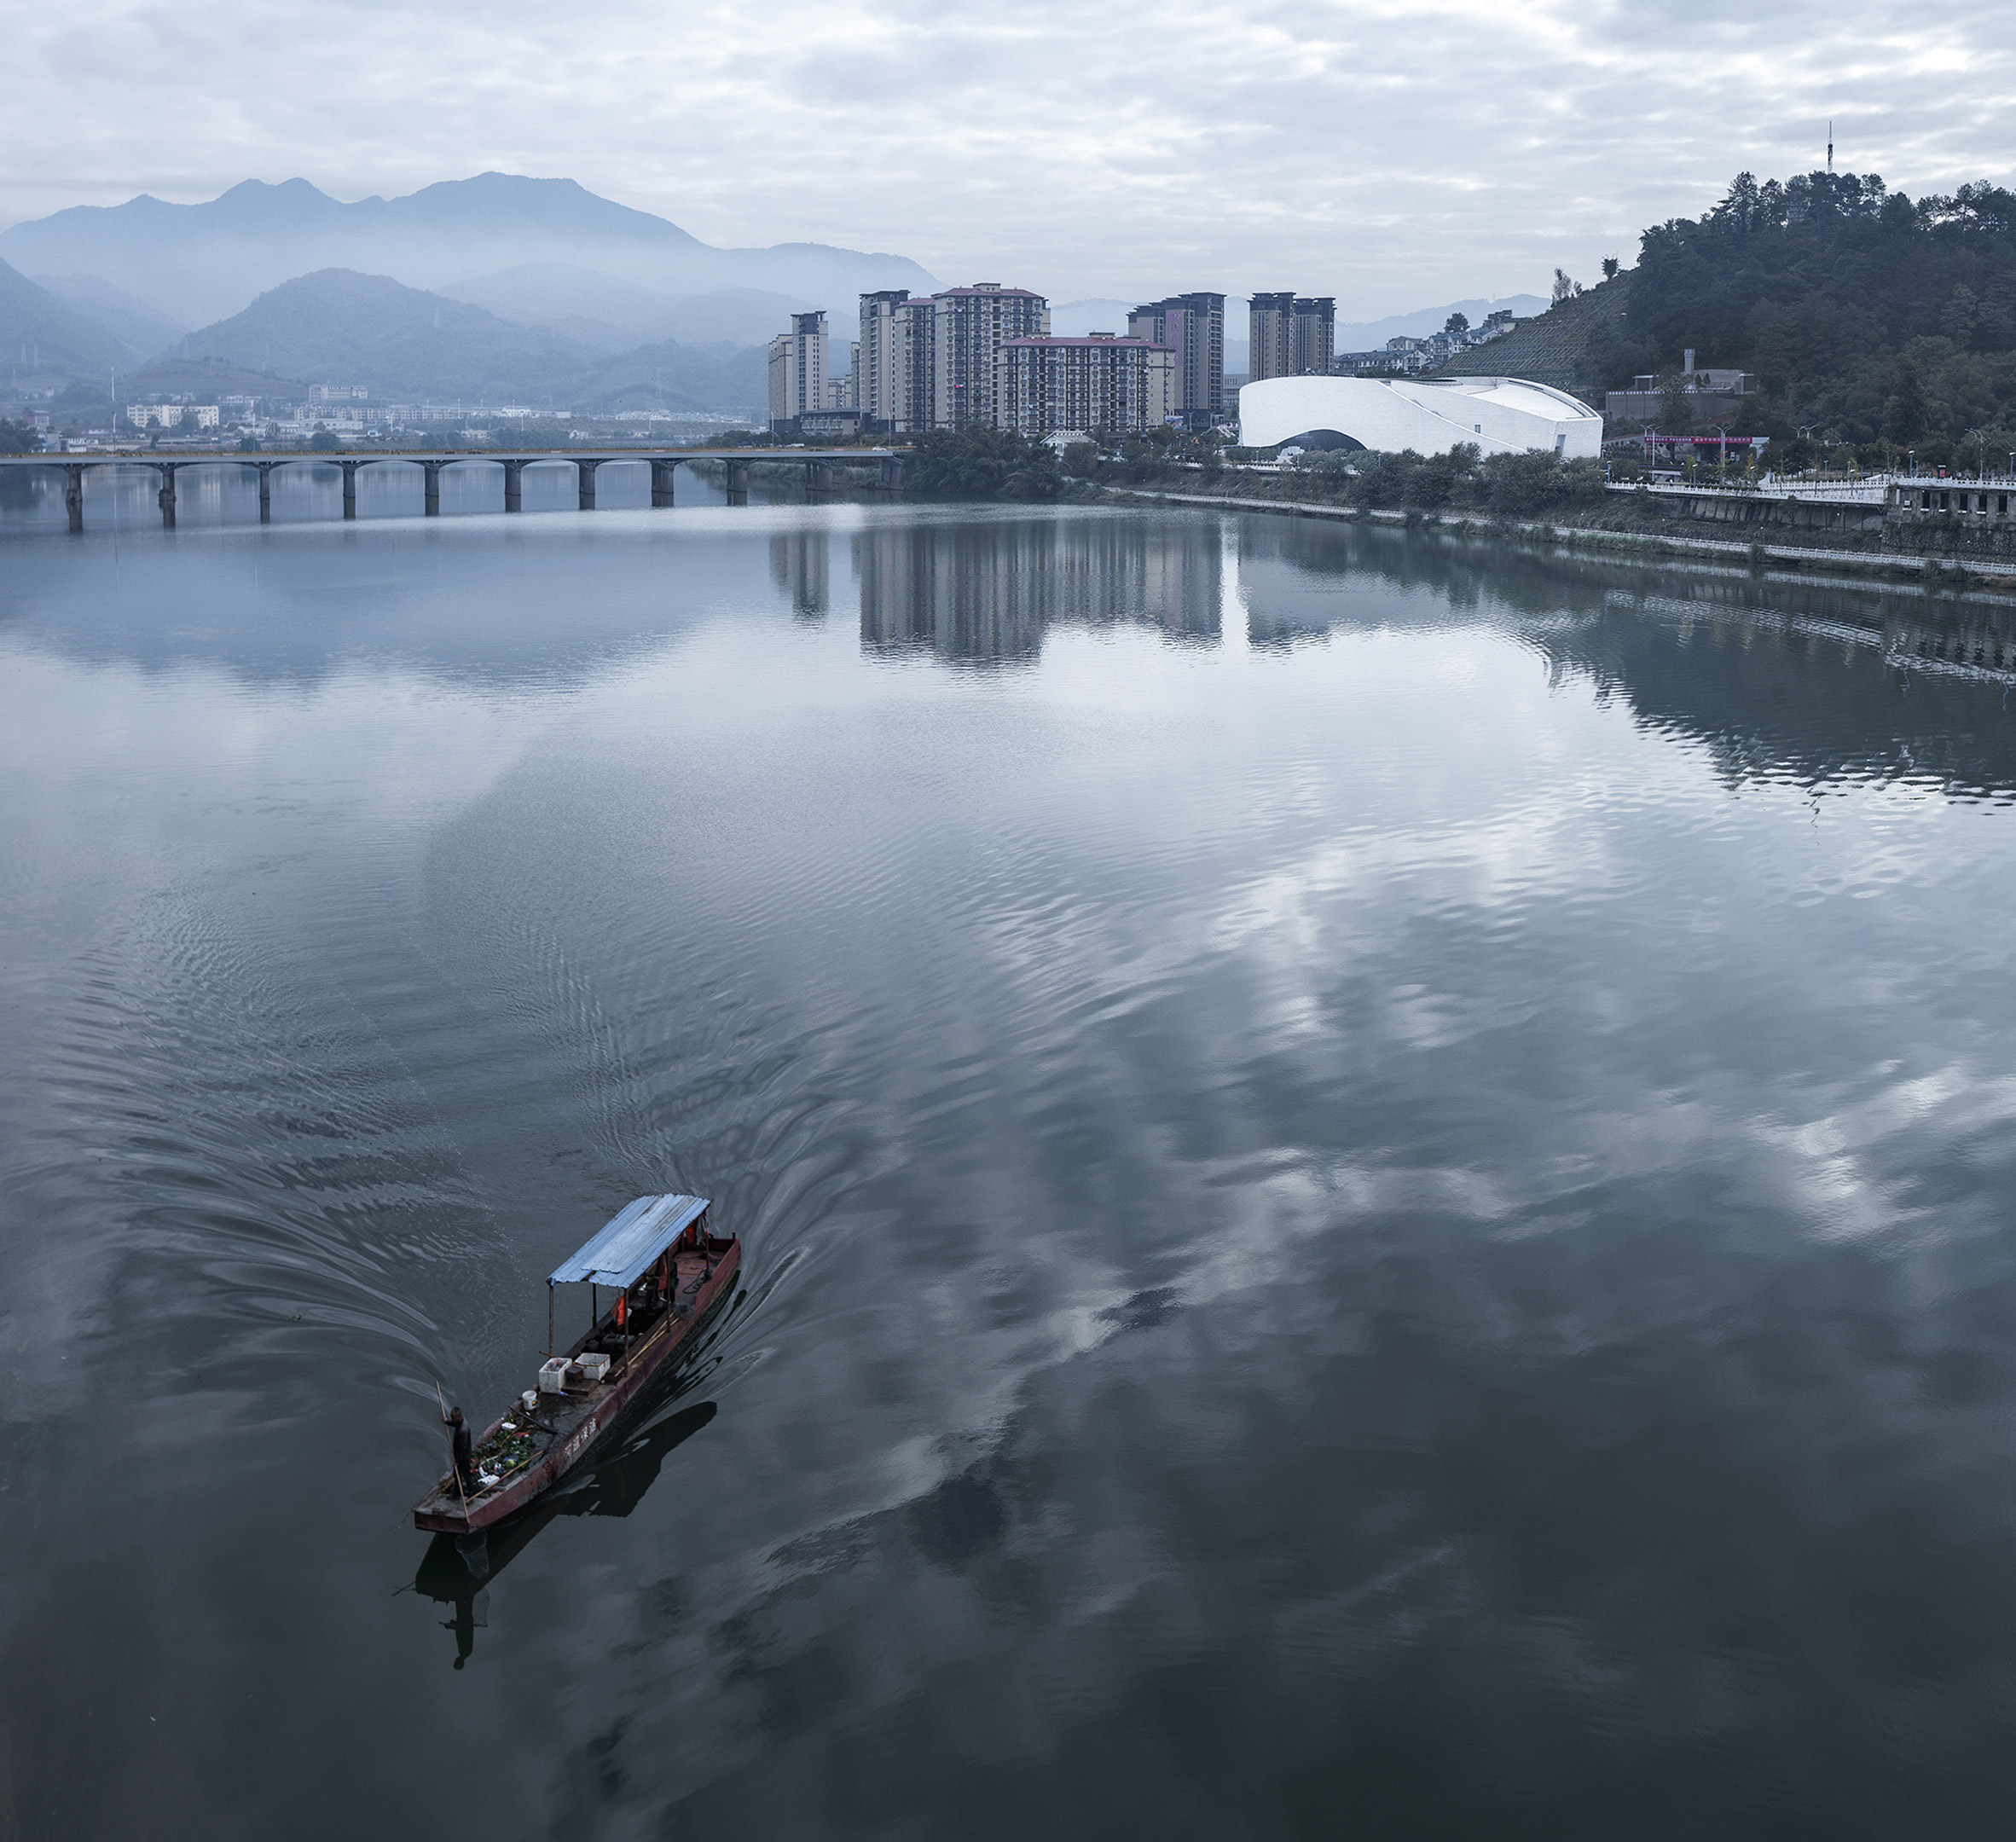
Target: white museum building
<point>1431,416</point>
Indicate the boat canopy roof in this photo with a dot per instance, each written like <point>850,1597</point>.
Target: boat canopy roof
<point>633,1239</point>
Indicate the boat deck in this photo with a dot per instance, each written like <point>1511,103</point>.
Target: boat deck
<point>523,1441</point>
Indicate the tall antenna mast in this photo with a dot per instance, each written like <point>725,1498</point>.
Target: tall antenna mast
<point>1830,147</point>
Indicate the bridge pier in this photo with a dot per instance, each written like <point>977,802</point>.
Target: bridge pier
<point>432,487</point>
<point>891,478</point>
<point>738,483</point>
<point>73,496</point>
<point>514,485</point>
<point>165,497</point>
<point>350,486</point>
<point>661,476</point>
<point>266,491</point>
<point>818,482</point>
<point>585,469</point>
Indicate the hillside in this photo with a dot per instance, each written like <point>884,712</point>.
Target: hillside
<point>1367,335</point>
<point>203,263</point>
<point>142,329</point>
<point>1867,317</point>
<point>43,338</point>
<point>668,375</point>
<point>612,315</point>
<point>1862,312</point>
<point>339,326</point>
<point>1576,345</point>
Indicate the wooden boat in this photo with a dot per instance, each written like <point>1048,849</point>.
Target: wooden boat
<point>670,1273</point>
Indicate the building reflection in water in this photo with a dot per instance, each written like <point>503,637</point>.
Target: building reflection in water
<point>799,564</point>
<point>985,594</point>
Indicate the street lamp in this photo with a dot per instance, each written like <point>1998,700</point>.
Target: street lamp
<point>1722,429</point>
<point>1980,442</point>
<point>1806,431</point>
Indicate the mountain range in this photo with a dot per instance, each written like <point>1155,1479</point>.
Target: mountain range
<point>496,286</point>
<point>202,263</point>
<point>337,325</point>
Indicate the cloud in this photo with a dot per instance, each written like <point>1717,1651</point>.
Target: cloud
<point>1392,156</point>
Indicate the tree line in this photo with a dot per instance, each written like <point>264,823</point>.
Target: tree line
<point>1868,318</point>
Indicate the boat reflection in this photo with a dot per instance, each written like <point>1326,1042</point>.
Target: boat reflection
<point>457,1571</point>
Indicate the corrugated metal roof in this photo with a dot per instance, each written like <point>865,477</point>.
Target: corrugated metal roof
<point>634,1236</point>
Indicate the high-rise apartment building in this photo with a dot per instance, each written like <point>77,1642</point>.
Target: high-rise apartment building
<point>1271,336</point>
<point>843,392</point>
<point>969,328</point>
<point>1192,326</point>
<point>1316,337</point>
<point>894,367</point>
<point>1113,387</point>
<point>797,371</point>
<point>1290,337</point>
<point>931,363</point>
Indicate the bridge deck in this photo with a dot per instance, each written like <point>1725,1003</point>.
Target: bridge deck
<point>818,462</point>
<point>145,457</point>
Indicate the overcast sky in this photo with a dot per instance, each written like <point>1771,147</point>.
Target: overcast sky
<point>1393,156</point>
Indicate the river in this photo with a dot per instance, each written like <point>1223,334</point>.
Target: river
<point>1376,1175</point>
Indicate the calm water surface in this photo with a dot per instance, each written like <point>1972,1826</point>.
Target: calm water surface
<point>1376,1178</point>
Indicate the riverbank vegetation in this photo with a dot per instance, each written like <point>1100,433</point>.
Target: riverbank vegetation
<point>976,462</point>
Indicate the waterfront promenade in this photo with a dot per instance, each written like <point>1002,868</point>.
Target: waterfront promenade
<point>817,462</point>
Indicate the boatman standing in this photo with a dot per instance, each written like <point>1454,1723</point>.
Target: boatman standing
<point>465,1456</point>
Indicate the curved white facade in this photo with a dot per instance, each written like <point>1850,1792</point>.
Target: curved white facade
<point>1431,416</point>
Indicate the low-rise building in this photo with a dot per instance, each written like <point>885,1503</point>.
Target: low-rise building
<point>1709,394</point>
<point>829,425</point>
<point>173,415</point>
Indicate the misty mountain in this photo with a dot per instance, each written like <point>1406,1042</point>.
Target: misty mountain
<point>143,329</point>
<point>338,326</point>
<point>201,263</point>
<point>612,315</point>
<point>668,375</point>
<point>42,337</point>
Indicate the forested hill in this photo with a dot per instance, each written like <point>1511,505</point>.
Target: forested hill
<point>1865,314</point>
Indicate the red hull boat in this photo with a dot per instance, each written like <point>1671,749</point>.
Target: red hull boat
<point>670,1275</point>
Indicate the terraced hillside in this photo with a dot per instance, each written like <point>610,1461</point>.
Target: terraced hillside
<point>1576,346</point>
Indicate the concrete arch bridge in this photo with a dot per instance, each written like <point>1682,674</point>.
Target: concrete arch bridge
<point>818,463</point>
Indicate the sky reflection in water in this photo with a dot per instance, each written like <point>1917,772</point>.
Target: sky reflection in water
<point>1376,1175</point>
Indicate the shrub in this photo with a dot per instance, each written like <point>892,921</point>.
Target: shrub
<point>976,462</point>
